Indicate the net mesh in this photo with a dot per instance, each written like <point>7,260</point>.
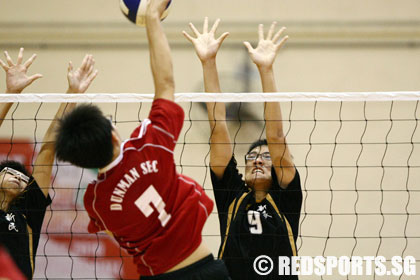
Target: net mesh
<point>358,156</point>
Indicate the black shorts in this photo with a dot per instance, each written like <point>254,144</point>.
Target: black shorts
<point>205,269</point>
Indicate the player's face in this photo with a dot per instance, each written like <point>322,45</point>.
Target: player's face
<point>258,168</point>
<point>12,182</point>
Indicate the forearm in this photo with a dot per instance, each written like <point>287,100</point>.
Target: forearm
<point>45,159</point>
<point>63,109</point>
<point>4,109</point>
<point>272,110</point>
<point>216,111</point>
<point>220,143</point>
<point>277,145</point>
<point>160,58</point>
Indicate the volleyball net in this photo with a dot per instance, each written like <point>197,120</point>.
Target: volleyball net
<point>358,155</point>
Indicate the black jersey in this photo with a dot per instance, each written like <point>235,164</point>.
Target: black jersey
<point>20,226</point>
<point>250,229</point>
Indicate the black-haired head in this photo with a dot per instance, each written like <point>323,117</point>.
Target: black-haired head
<point>84,138</point>
<point>15,165</point>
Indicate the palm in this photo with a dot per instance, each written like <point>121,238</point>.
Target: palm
<point>16,78</point>
<point>78,81</point>
<point>264,54</point>
<point>81,78</point>
<point>206,46</point>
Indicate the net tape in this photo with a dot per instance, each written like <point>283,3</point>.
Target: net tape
<point>218,97</point>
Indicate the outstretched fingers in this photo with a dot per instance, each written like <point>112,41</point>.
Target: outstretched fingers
<point>215,26</point>
<point>92,76</point>
<point>278,34</point>
<point>194,29</point>
<point>70,68</point>
<point>32,78</point>
<point>249,47</point>
<point>260,32</point>
<point>91,66</point>
<point>282,42</point>
<point>186,35</point>
<point>8,59</point>
<point>206,25</point>
<point>3,65</point>
<point>29,62</point>
<point>222,37</point>
<point>84,63</point>
<point>20,57</point>
<point>271,30</point>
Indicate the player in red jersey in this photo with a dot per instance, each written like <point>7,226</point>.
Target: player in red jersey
<point>9,269</point>
<point>154,213</point>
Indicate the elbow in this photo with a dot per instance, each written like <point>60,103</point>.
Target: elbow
<point>275,136</point>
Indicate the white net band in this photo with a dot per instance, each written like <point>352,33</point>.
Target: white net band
<point>218,97</point>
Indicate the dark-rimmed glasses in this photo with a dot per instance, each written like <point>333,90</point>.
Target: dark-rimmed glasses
<point>254,155</point>
<point>15,173</point>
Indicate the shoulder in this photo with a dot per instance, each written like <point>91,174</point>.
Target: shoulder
<point>34,193</point>
<point>231,171</point>
<point>295,183</point>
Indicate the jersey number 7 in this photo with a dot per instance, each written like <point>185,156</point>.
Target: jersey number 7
<point>149,197</point>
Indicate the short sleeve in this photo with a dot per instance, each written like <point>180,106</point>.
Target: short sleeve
<point>94,223</point>
<point>164,115</point>
<point>167,115</point>
<point>163,126</point>
<point>34,204</point>
<point>227,189</point>
<point>290,200</point>
<point>94,226</point>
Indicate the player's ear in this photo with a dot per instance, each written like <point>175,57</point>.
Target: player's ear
<point>116,139</point>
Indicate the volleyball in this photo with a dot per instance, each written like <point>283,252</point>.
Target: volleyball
<point>135,10</point>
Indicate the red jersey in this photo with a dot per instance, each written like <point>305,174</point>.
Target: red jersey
<point>9,270</point>
<point>153,212</point>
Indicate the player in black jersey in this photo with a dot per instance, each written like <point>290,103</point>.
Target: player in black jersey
<point>260,214</point>
<point>23,196</point>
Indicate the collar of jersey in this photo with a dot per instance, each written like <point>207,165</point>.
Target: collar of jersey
<point>113,163</point>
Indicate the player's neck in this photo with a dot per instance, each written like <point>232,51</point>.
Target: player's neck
<point>116,151</point>
<point>260,195</point>
<point>4,201</point>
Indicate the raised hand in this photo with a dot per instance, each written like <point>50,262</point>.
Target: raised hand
<point>156,7</point>
<point>265,52</point>
<point>16,78</point>
<point>205,44</point>
<point>80,79</point>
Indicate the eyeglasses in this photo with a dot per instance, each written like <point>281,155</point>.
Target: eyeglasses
<point>16,173</point>
<point>253,156</point>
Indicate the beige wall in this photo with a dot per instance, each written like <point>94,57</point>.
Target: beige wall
<point>335,45</point>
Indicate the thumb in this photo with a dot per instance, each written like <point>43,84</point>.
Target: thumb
<point>186,35</point>
<point>222,37</point>
<point>32,78</point>
<point>70,68</point>
<point>248,46</point>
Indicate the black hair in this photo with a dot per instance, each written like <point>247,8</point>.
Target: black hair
<point>257,143</point>
<point>15,165</point>
<point>84,138</point>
